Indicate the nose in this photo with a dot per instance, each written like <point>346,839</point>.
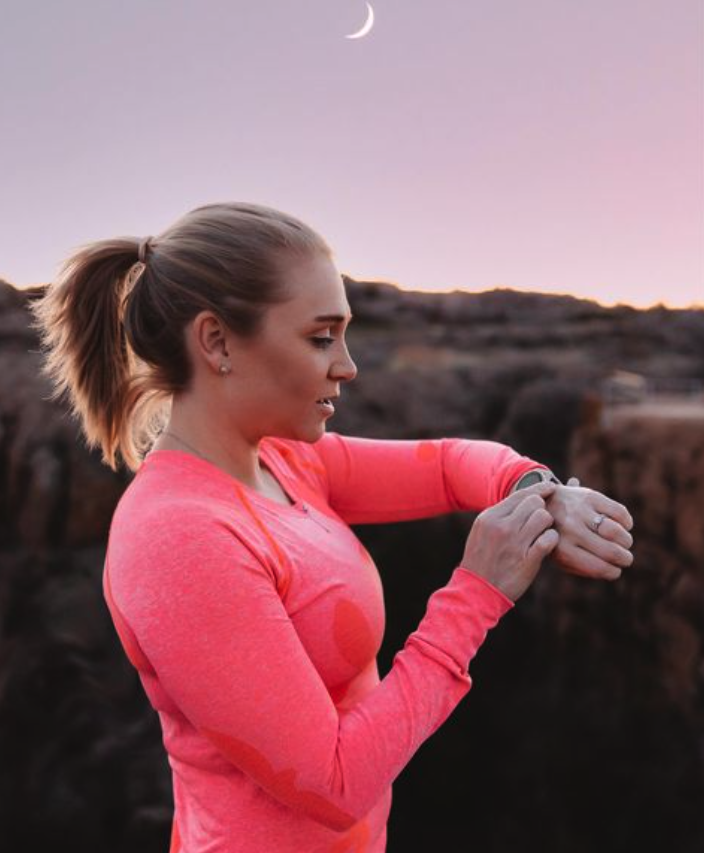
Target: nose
<point>344,369</point>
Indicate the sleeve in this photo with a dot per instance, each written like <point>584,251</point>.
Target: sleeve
<point>374,481</point>
<point>222,645</point>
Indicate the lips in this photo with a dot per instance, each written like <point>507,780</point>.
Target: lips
<point>326,405</point>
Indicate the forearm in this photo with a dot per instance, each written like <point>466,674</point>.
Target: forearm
<point>377,481</point>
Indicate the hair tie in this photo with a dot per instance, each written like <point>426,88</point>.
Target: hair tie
<point>144,248</point>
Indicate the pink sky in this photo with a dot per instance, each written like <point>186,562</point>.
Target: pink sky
<point>556,145</point>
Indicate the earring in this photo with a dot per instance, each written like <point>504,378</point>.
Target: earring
<point>224,368</point>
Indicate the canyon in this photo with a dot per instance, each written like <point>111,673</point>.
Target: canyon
<point>584,728</point>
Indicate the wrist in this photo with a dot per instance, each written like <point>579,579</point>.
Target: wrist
<point>495,588</point>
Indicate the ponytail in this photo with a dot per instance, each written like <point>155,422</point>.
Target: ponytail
<point>87,357</point>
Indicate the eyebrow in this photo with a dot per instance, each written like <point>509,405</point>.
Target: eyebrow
<point>331,318</point>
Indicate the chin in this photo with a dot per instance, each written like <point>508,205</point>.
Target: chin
<point>314,434</point>
<point>310,434</point>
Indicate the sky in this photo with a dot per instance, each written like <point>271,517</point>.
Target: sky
<point>552,145</point>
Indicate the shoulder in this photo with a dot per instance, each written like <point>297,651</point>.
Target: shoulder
<point>183,545</point>
<point>159,498</point>
<point>170,514</point>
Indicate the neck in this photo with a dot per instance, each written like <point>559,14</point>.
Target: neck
<point>220,444</point>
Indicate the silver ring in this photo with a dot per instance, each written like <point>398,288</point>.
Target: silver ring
<point>596,521</point>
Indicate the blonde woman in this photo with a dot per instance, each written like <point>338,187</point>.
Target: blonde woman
<point>209,360</point>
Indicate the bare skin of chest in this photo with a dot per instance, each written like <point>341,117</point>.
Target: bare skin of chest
<point>273,489</point>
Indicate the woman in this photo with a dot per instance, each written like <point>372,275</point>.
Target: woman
<point>249,608</point>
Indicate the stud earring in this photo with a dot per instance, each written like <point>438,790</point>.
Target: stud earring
<point>224,368</point>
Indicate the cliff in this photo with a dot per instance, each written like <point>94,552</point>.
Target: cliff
<point>583,729</point>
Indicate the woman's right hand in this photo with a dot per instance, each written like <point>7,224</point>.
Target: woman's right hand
<point>509,541</point>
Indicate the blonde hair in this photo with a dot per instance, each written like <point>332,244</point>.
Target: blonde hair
<point>111,326</point>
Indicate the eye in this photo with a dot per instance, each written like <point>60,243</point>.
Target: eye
<point>322,343</point>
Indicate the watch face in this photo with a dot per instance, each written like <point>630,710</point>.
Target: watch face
<point>529,479</point>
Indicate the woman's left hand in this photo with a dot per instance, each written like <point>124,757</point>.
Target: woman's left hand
<point>594,532</point>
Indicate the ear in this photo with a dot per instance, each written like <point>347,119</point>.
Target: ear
<point>210,337</point>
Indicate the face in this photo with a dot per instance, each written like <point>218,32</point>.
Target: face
<point>299,357</point>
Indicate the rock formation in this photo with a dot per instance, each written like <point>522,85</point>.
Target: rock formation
<point>584,727</point>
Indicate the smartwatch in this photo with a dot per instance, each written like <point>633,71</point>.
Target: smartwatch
<point>537,475</point>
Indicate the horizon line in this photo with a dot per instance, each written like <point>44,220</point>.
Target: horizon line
<point>642,306</point>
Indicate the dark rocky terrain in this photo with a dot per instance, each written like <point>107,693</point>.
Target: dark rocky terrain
<point>585,727</point>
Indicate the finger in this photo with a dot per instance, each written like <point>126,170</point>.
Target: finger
<point>614,532</point>
<point>609,552</point>
<point>509,504</point>
<point>538,522</point>
<point>577,561</point>
<point>613,509</point>
<point>525,510</point>
<point>543,545</point>
<point>573,481</point>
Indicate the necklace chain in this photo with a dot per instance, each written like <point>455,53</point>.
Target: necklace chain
<point>198,453</point>
<point>186,444</point>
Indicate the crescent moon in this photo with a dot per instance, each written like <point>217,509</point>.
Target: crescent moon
<point>367,26</point>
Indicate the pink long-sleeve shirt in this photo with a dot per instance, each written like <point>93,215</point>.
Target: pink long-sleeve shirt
<point>255,626</point>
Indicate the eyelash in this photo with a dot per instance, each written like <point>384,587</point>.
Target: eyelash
<point>322,343</point>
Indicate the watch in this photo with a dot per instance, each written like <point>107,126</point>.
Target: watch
<point>537,475</point>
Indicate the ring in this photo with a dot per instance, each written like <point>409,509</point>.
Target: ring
<point>596,521</point>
